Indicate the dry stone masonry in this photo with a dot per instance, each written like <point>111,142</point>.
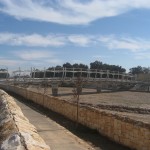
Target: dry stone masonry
<point>124,130</point>
<point>16,133</point>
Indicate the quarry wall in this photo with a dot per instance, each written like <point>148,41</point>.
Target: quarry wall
<point>16,133</point>
<point>123,130</point>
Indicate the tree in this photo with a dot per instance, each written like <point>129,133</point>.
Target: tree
<point>96,65</point>
<point>83,66</point>
<point>100,65</point>
<point>67,65</point>
<point>146,70</point>
<point>136,70</point>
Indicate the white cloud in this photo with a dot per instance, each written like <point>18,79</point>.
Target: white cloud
<point>31,40</point>
<point>81,40</point>
<point>139,47</point>
<point>37,57</point>
<point>69,11</point>
<point>112,42</point>
<point>126,43</point>
<point>33,55</point>
<point>53,61</point>
<point>31,58</point>
<point>50,40</point>
<point>5,62</point>
<point>142,55</point>
<point>100,57</point>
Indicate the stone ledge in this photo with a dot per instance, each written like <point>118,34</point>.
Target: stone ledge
<point>16,133</point>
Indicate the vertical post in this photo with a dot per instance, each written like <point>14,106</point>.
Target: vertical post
<point>19,73</point>
<point>31,73</point>
<point>89,74</point>
<point>99,87</point>
<point>101,73</point>
<point>63,73</point>
<point>73,72</point>
<point>30,80</point>
<point>96,73</point>
<point>54,88</point>
<point>7,82</point>
<point>34,74</point>
<point>118,74</point>
<point>148,88</point>
<point>54,73</point>
<point>113,75</point>
<point>6,73</point>
<point>44,73</point>
<point>122,76</point>
<point>107,74</point>
<point>77,110</point>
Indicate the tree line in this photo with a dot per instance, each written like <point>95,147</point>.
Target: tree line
<point>93,65</point>
<point>140,70</point>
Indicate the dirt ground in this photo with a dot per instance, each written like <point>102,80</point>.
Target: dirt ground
<point>135,105</point>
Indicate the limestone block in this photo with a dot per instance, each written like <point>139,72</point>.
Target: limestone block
<point>16,133</point>
<point>13,142</point>
<point>34,142</point>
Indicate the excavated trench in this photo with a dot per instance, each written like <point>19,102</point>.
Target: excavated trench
<point>92,137</point>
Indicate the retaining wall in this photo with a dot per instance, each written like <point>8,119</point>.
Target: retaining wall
<point>16,133</point>
<point>123,130</point>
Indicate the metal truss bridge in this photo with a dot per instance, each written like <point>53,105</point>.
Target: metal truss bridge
<point>72,75</point>
<point>91,78</point>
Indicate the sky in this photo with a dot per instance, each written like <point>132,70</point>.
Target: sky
<point>46,33</point>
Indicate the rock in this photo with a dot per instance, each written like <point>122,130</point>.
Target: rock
<point>16,133</point>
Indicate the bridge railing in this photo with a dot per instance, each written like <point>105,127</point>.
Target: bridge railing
<point>69,74</point>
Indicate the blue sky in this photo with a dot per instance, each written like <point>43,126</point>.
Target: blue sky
<point>44,33</point>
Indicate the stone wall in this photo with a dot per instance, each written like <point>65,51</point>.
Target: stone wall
<point>123,130</point>
<point>15,130</point>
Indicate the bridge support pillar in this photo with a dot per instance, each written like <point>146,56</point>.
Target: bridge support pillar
<point>79,89</point>
<point>99,87</point>
<point>115,86</point>
<point>148,89</point>
<point>54,86</point>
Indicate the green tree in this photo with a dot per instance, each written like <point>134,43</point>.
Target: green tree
<point>96,65</point>
<point>136,70</point>
<point>67,65</point>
